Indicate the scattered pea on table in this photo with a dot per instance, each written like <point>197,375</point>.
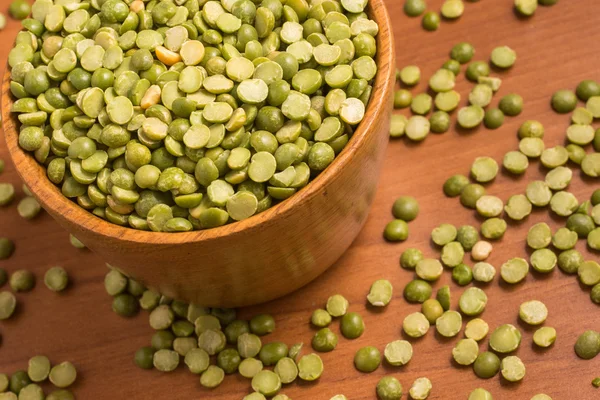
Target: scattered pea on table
<point>56,279</point>
<point>473,301</point>
<point>477,69</point>
<point>515,162</point>
<point>486,365</point>
<point>389,388</point>
<point>29,208</point>
<point>410,75</point>
<point>533,312</point>
<point>352,325</point>
<point>63,375</point>
<point>545,336</point>
<point>503,57</point>
<point>476,329</point>
<point>262,324</point>
<point>320,318</point>
<point>470,117</point>
<point>337,305</point>
<point>7,193</point>
<point>22,281</point>
<point>405,208</point>
<point>484,272</point>
<point>380,294</point>
<point>480,394</point>
<point>417,291</point>
<point>447,101</point>
<point>481,95</point>
<point>417,128</point>
<point>398,125</point>
<point>414,8</point>
<point>410,258</point>
<point>402,98</point>
<point>465,352</point>
<point>420,389</point>
<point>531,129</point>
<point>432,309</point>
<point>398,352</point>
<point>462,274</point>
<point>526,7</point>
<point>7,248</point>
<point>586,89</point>
<point>484,169</point>
<point>481,250</point>
<point>587,345</point>
<point>449,324</point>
<point>512,369</point>
<point>8,304</point>
<point>444,297</point>
<point>453,66</point>
<point>564,101</point>
<point>511,105</point>
<point>415,325</point>
<point>431,21</point>
<point>429,269</point>
<point>310,367</point>
<point>470,194</point>
<point>455,184</point>
<point>462,52</point>
<point>396,231</point>
<point>518,207</point>
<point>367,359</point>
<point>493,228</point>
<point>514,270</point>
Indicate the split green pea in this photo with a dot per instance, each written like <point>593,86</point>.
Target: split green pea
<point>476,329</point>
<point>493,228</point>
<point>512,369</point>
<point>367,359</point>
<point>467,236</point>
<point>431,21</point>
<point>465,352</point>
<point>420,389</point>
<point>398,352</point>
<point>480,394</point>
<point>415,325</point>
<point>526,7</point>
<point>417,128</point>
<point>7,247</point>
<point>389,388</point>
<point>452,9</point>
<point>503,57</point>
<point>380,294</point>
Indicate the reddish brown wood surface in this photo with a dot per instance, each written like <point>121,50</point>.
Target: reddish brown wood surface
<point>557,48</point>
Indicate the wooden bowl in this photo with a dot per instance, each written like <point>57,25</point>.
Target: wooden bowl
<point>255,260</point>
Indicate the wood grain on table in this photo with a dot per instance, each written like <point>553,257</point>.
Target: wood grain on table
<point>557,48</point>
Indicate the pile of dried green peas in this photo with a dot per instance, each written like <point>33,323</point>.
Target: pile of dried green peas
<point>172,116</point>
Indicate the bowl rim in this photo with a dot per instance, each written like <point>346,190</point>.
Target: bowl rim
<point>51,197</point>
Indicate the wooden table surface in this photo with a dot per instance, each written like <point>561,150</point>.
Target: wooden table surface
<point>556,49</point>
